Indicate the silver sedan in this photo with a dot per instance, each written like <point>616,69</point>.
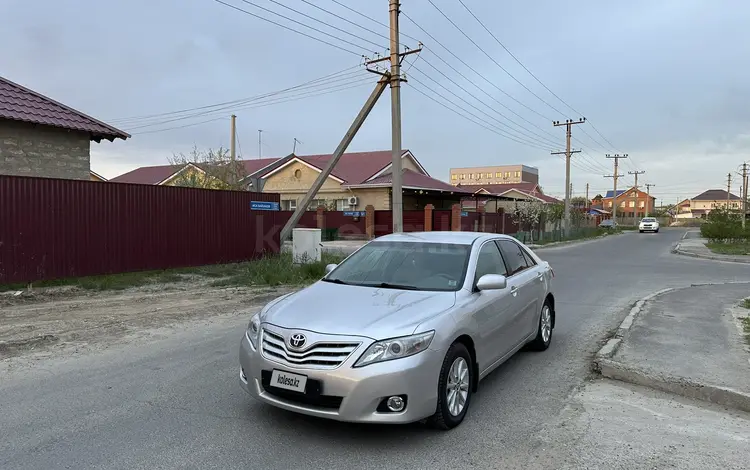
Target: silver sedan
<point>402,330</point>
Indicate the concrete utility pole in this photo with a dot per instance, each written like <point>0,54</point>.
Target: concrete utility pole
<point>568,126</point>
<point>397,202</point>
<point>729,187</point>
<point>233,137</point>
<point>233,140</point>
<point>358,121</point>
<point>586,203</point>
<point>615,176</point>
<point>745,175</point>
<point>648,194</point>
<point>635,194</point>
<point>260,142</point>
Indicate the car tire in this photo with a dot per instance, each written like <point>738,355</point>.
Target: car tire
<point>544,329</point>
<point>444,418</point>
<point>640,231</point>
<point>656,231</point>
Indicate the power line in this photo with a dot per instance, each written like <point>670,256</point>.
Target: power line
<point>153,131</point>
<point>497,131</point>
<point>309,94</point>
<point>548,142</point>
<point>308,88</point>
<point>238,101</point>
<point>323,22</point>
<point>477,73</point>
<point>290,29</point>
<point>372,19</point>
<point>517,60</point>
<point>494,61</point>
<point>348,20</point>
<point>612,147</point>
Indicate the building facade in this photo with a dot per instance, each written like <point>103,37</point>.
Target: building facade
<point>43,138</point>
<point>504,174</point>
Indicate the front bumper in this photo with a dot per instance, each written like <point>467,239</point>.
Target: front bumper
<point>648,228</point>
<point>351,394</point>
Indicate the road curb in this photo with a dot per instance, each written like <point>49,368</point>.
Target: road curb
<point>731,259</point>
<point>572,242</point>
<point>611,369</point>
<point>675,385</point>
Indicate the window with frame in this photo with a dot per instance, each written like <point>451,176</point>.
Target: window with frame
<point>489,261</point>
<point>499,174</point>
<point>342,204</point>
<point>513,256</point>
<point>289,205</point>
<point>462,176</point>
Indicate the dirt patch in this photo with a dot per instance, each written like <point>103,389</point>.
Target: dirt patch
<point>67,321</point>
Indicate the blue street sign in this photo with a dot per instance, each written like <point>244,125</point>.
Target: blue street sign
<point>354,213</point>
<point>464,214</point>
<point>264,206</point>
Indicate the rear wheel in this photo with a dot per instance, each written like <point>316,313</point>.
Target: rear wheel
<point>544,330</point>
<point>454,388</point>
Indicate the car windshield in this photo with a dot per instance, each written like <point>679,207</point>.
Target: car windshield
<point>649,220</point>
<point>405,265</point>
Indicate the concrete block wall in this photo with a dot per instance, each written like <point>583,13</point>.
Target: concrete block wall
<point>44,151</point>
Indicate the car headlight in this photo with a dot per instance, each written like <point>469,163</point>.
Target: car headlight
<point>395,348</point>
<point>253,330</point>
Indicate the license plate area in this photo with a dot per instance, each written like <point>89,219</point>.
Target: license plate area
<point>288,381</point>
<point>313,395</point>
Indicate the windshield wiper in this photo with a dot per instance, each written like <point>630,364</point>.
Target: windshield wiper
<point>388,285</point>
<point>335,281</point>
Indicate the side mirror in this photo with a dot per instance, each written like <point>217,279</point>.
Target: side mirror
<point>492,282</point>
<point>330,268</point>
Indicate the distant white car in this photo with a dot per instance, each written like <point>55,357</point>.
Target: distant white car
<point>648,224</point>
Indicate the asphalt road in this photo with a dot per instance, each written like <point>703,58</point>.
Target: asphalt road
<point>174,401</point>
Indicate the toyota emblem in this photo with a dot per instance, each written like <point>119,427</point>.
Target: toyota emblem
<point>297,340</point>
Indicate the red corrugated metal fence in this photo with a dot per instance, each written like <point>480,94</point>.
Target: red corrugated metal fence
<point>54,228</point>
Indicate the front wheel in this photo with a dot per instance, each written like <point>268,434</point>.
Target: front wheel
<point>454,388</point>
<point>544,330</point>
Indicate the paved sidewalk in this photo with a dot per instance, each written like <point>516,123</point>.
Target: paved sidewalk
<point>696,247</point>
<point>688,341</point>
<point>611,425</point>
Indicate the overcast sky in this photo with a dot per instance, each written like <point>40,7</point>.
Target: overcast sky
<point>666,81</point>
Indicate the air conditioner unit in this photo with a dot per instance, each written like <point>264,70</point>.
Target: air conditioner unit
<point>353,201</point>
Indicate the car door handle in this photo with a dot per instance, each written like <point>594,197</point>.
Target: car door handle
<point>514,291</point>
<point>540,276</point>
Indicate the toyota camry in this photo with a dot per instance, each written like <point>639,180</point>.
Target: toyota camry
<point>402,330</point>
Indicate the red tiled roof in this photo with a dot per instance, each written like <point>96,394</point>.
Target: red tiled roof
<point>148,174</point>
<point>18,103</point>
<point>251,166</point>
<point>355,167</point>
<point>500,188</point>
<point>715,195</point>
<point>412,179</point>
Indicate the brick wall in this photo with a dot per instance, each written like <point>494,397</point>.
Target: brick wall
<point>36,150</point>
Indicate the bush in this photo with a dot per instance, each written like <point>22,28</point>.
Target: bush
<point>723,226</point>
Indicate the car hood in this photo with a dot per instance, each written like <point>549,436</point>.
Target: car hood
<point>356,310</point>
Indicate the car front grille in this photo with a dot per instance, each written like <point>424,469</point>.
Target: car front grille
<point>321,355</point>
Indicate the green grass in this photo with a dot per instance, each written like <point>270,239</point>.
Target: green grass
<point>737,248</point>
<point>272,270</point>
<point>746,303</point>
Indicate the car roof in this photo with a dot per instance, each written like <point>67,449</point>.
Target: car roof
<point>459,238</point>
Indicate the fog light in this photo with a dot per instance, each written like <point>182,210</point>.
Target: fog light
<point>395,404</point>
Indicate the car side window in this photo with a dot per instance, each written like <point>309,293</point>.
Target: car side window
<point>513,256</point>
<point>489,261</point>
<point>529,259</point>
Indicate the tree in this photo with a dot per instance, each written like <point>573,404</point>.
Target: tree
<point>579,201</point>
<point>211,169</point>
<point>577,217</point>
<point>555,213</point>
<point>527,214</point>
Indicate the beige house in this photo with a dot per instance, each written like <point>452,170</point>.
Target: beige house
<point>358,180</point>
<point>494,197</point>
<point>705,202</point>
